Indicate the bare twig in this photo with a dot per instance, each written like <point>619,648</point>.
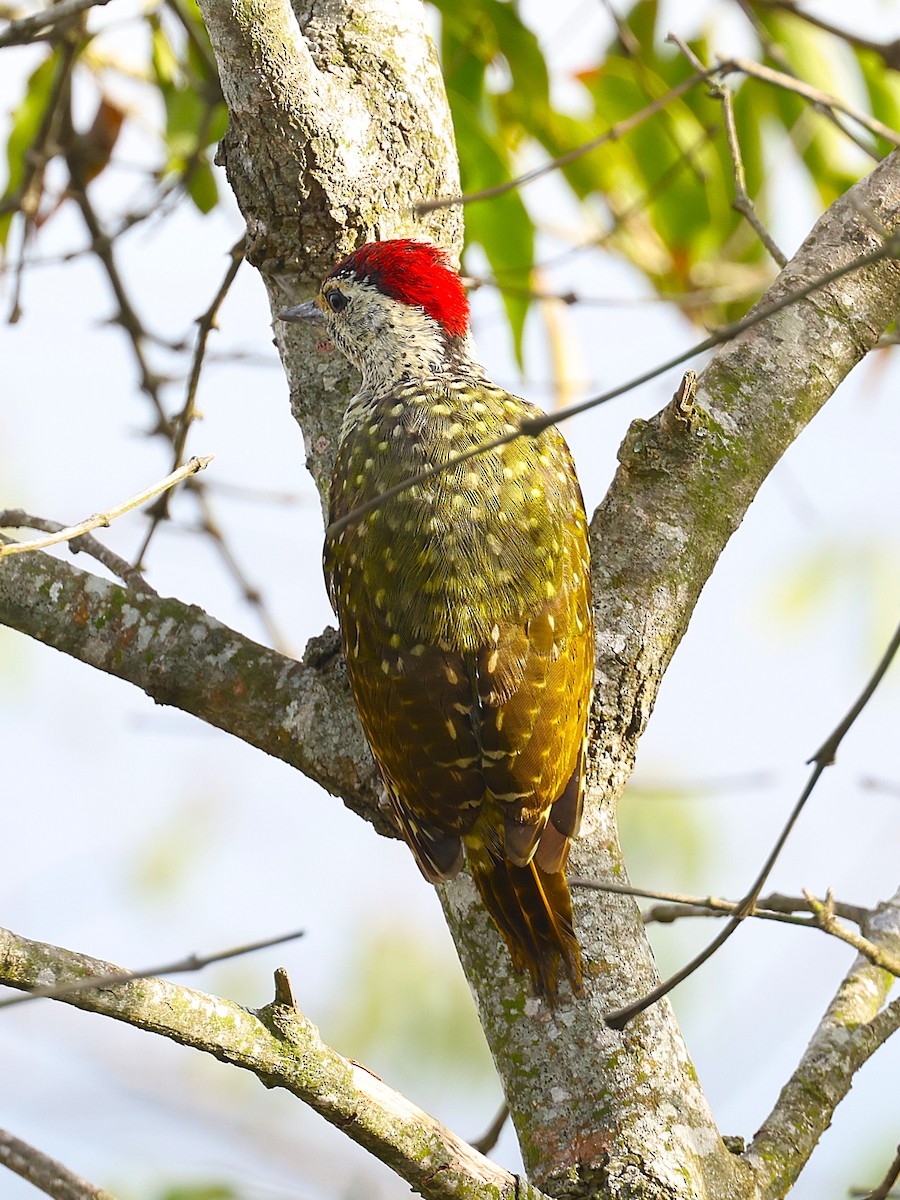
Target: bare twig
<point>181,423</point>
<point>823,758</point>
<point>27,199</point>
<point>651,84</point>
<point>45,1173</point>
<point>774,907</point>
<point>889,51</point>
<point>68,533</point>
<point>102,247</point>
<point>620,129</point>
<point>883,1191</point>
<point>742,202</point>
<point>815,95</point>
<point>206,322</point>
<point>16,518</point>
<point>826,918</point>
<point>42,25</point>
<point>856,1023</point>
<point>490,1137</point>
<point>249,591</point>
<point>776,53</point>
<point>724,67</point>
<point>193,962</point>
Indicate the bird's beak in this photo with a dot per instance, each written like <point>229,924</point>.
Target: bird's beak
<point>309,312</point>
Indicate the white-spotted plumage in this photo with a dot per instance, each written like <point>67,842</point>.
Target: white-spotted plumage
<point>463,600</point>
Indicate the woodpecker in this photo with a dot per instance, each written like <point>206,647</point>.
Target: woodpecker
<point>463,600</point>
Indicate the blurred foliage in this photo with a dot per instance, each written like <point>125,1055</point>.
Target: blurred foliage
<point>667,185</point>
<point>25,128</point>
<point>663,191</point>
<point>185,73</point>
<point>405,1009</point>
<point>804,592</point>
<point>200,1191</point>
<point>170,860</point>
<point>181,72</point>
<point>664,832</point>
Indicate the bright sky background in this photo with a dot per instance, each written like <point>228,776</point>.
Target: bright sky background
<point>137,834</point>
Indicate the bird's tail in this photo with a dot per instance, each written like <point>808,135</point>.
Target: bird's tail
<point>532,908</point>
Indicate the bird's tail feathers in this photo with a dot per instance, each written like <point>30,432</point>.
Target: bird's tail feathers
<point>532,908</point>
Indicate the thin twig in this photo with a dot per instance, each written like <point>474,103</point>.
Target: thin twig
<point>883,1191</point>
<point>823,758</point>
<point>282,1049</point>
<point>490,1137</point>
<point>536,425</point>
<point>42,25</point>
<point>250,592</point>
<point>102,519</point>
<point>776,53</point>
<point>206,322</point>
<point>193,962</point>
<point>102,247</point>
<point>181,423</point>
<point>610,135</point>
<point>27,199</point>
<point>742,202</point>
<point>888,51</point>
<point>775,907</point>
<point>650,83</point>
<point>790,83</point>
<point>45,1173</point>
<point>17,518</point>
<point>826,918</point>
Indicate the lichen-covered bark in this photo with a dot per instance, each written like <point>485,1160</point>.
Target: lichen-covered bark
<point>853,1027</point>
<point>338,127</point>
<point>283,1049</point>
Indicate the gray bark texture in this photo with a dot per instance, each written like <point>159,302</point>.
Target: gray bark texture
<point>339,125</point>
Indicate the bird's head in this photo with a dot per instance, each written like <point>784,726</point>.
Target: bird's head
<point>396,309</point>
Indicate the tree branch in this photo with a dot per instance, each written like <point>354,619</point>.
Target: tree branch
<point>299,712</point>
<point>283,1049</point>
<point>46,24</point>
<point>17,518</point>
<point>46,1173</point>
<point>852,1029</point>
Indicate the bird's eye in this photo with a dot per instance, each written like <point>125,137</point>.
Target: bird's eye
<point>336,300</point>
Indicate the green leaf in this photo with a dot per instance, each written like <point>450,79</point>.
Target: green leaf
<point>522,51</point>
<point>883,88</point>
<point>26,123</point>
<point>501,225</point>
<point>202,187</point>
<point>218,124</point>
<point>163,57</point>
<point>185,111</point>
<point>834,164</point>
